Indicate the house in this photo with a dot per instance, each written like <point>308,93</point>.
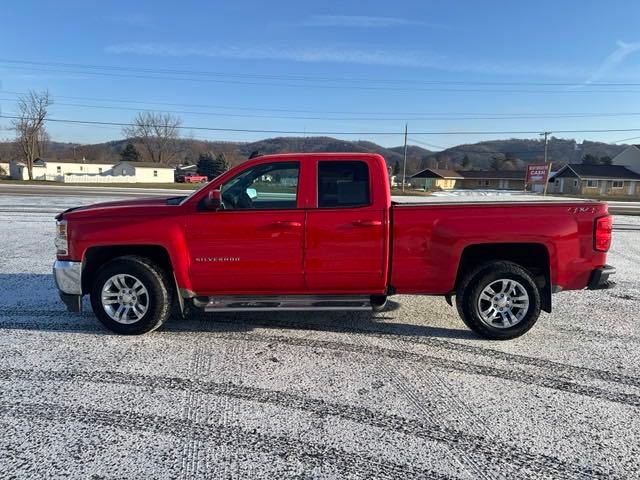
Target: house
<point>4,169</point>
<point>492,179</point>
<point>435,178</point>
<point>629,157</point>
<point>431,178</point>
<point>73,171</point>
<point>596,180</point>
<point>53,170</point>
<point>144,172</point>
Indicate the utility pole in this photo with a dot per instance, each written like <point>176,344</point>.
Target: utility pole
<point>404,167</point>
<point>546,143</point>
<point>546,178</point>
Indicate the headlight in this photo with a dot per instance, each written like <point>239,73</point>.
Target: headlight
<point>62,239</point>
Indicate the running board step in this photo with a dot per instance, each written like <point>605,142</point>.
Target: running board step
<point>235,303</point>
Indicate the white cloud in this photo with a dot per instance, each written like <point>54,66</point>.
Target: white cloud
<point>358,21</point>
<point>614,59</point>
<point>372,56</point>
<point>308,55</point>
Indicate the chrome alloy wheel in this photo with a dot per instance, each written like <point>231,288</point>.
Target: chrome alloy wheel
<point>503,303</point>
<point>125,299</point>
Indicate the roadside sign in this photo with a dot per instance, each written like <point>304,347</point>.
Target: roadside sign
<point>537,173</point>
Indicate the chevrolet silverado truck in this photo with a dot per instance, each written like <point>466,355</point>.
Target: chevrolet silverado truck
<point>322,232</point>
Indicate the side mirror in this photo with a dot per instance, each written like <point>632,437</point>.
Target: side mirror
<point>213,201</point>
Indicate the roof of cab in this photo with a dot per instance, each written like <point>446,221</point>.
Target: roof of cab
<point>321,155</point>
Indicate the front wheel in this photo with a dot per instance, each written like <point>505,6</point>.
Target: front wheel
<point>499,300</point>
<point>131,295</point>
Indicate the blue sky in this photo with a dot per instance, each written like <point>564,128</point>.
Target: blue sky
<point>456,66</point>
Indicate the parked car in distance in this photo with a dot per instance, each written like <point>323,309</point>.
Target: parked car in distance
<point>321,232</point>
<point>190,178</point>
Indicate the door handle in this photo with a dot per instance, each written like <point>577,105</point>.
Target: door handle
<point>288,224</point>
<point>367,223</point>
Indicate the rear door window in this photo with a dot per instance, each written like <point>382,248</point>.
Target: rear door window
<point>343,184</point>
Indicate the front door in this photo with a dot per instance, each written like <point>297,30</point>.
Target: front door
<point>254,245</point>
<point>346,233</point>
<point>604,185</point>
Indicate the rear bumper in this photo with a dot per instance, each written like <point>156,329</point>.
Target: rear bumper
<point>68,278</point>
<point>600,278</point>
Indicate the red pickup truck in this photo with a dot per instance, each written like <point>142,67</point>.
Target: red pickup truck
<point>321,232</point>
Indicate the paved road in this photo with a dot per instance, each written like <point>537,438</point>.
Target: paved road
<point>409,393</point>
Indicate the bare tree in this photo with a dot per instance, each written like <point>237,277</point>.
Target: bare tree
<point>29,126</point>
<point>43,143</point>
<point>158,134</point>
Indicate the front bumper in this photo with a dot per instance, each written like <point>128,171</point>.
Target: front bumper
<point>68,278</point>
<point>600,278</point>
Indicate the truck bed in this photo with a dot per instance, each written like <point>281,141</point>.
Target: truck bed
<point>430,235</point>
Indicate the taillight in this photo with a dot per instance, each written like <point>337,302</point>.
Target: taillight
<point>602,234</point>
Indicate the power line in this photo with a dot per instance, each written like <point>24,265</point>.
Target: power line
<point>154,76</point>
<point>626,139</point>
<point>426,144</point>
<point>314,78</point>
<point>461,149</point>
<point>306,132</point>
<point>342,119</point>
<point>401,116</point>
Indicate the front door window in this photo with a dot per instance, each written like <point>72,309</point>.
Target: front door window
<point>270,186</point>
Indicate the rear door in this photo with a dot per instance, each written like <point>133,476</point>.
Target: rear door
<point>346,231</point>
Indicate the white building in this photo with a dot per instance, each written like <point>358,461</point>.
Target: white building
<point>144,172</point>
<point>629,157</point>
<point>83,172</point>
<point>53,170</point>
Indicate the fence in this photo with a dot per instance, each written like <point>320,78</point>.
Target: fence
<point>87,178</point>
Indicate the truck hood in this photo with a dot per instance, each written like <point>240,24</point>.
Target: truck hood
<point>140,206</point>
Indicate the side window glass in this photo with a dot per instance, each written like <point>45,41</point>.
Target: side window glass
<point>343,184</point>
<point>264,187</point>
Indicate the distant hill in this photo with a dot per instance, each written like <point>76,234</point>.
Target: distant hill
<point>328,144</point>
<point>560,151</point>
<point>479,155</point>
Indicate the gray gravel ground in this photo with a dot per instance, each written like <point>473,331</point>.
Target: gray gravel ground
<point>408,393</point>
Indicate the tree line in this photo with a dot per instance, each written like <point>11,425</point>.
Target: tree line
<point>153,137</point>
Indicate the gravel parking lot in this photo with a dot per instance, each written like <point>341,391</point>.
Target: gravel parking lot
<point>409,393</point>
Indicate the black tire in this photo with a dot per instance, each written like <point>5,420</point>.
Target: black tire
<point>154,279</point>
<point>474,283</point>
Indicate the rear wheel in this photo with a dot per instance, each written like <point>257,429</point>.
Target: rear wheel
<point>131,295</point>
<point>499,300</point>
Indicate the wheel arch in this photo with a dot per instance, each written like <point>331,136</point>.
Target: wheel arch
<point>532,256</point>
<point>97,256</point>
